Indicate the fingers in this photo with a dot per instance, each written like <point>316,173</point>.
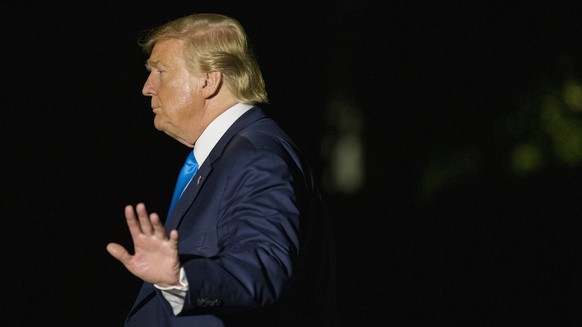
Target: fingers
<point>144,219</point>
<point>174,239</point>
<point>132,223</point>
<point>144,223</point>
<point>158,228</point>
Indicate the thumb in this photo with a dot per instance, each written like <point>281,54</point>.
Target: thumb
<point>118,252</point>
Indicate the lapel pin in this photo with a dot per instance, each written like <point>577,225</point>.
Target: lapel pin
<point>198,181</point>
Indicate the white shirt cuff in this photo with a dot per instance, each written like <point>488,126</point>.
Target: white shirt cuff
<point>175,295</point>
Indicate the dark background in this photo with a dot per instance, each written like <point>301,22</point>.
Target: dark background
<point>449,88</point>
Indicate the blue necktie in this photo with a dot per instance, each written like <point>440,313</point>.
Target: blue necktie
<point>188,170</point>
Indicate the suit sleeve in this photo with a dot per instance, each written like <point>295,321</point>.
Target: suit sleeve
<point>257,228</point>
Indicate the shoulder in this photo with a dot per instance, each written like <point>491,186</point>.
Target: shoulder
<point>263,137</point>
<point>252,137</point>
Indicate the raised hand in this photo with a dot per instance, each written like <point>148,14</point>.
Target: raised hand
<point>155,259</point>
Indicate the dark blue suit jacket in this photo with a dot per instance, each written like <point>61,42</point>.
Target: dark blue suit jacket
<point>241,222</point>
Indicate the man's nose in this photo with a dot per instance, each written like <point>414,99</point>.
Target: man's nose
<point>148,88</point>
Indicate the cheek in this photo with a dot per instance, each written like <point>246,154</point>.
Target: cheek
<point>185,100</point>
<point>179,100</point>
<point>170,100</point>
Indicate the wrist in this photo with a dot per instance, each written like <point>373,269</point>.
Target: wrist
<point>180,284</point>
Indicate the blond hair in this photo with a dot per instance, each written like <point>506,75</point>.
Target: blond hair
<point>215,42</point>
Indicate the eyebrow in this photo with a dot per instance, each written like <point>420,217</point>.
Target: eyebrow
<point>150,63</point>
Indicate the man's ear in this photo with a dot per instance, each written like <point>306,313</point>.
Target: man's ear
<point>212,84</point>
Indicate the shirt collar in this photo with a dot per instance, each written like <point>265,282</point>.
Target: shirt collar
<point>216,130</point>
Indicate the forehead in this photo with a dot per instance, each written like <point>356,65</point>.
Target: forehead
<point>166,52</point>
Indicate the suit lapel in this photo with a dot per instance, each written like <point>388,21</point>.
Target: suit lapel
<point>187,198</point>
<point>192,190</point>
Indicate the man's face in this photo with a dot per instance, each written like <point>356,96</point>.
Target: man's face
<point>176,95</point>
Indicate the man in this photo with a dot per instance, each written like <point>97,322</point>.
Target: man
<point>230,249</point>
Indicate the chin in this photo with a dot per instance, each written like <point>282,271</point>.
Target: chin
<point>158,125</point>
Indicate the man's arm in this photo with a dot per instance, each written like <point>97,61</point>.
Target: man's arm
<point>258,237</point>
